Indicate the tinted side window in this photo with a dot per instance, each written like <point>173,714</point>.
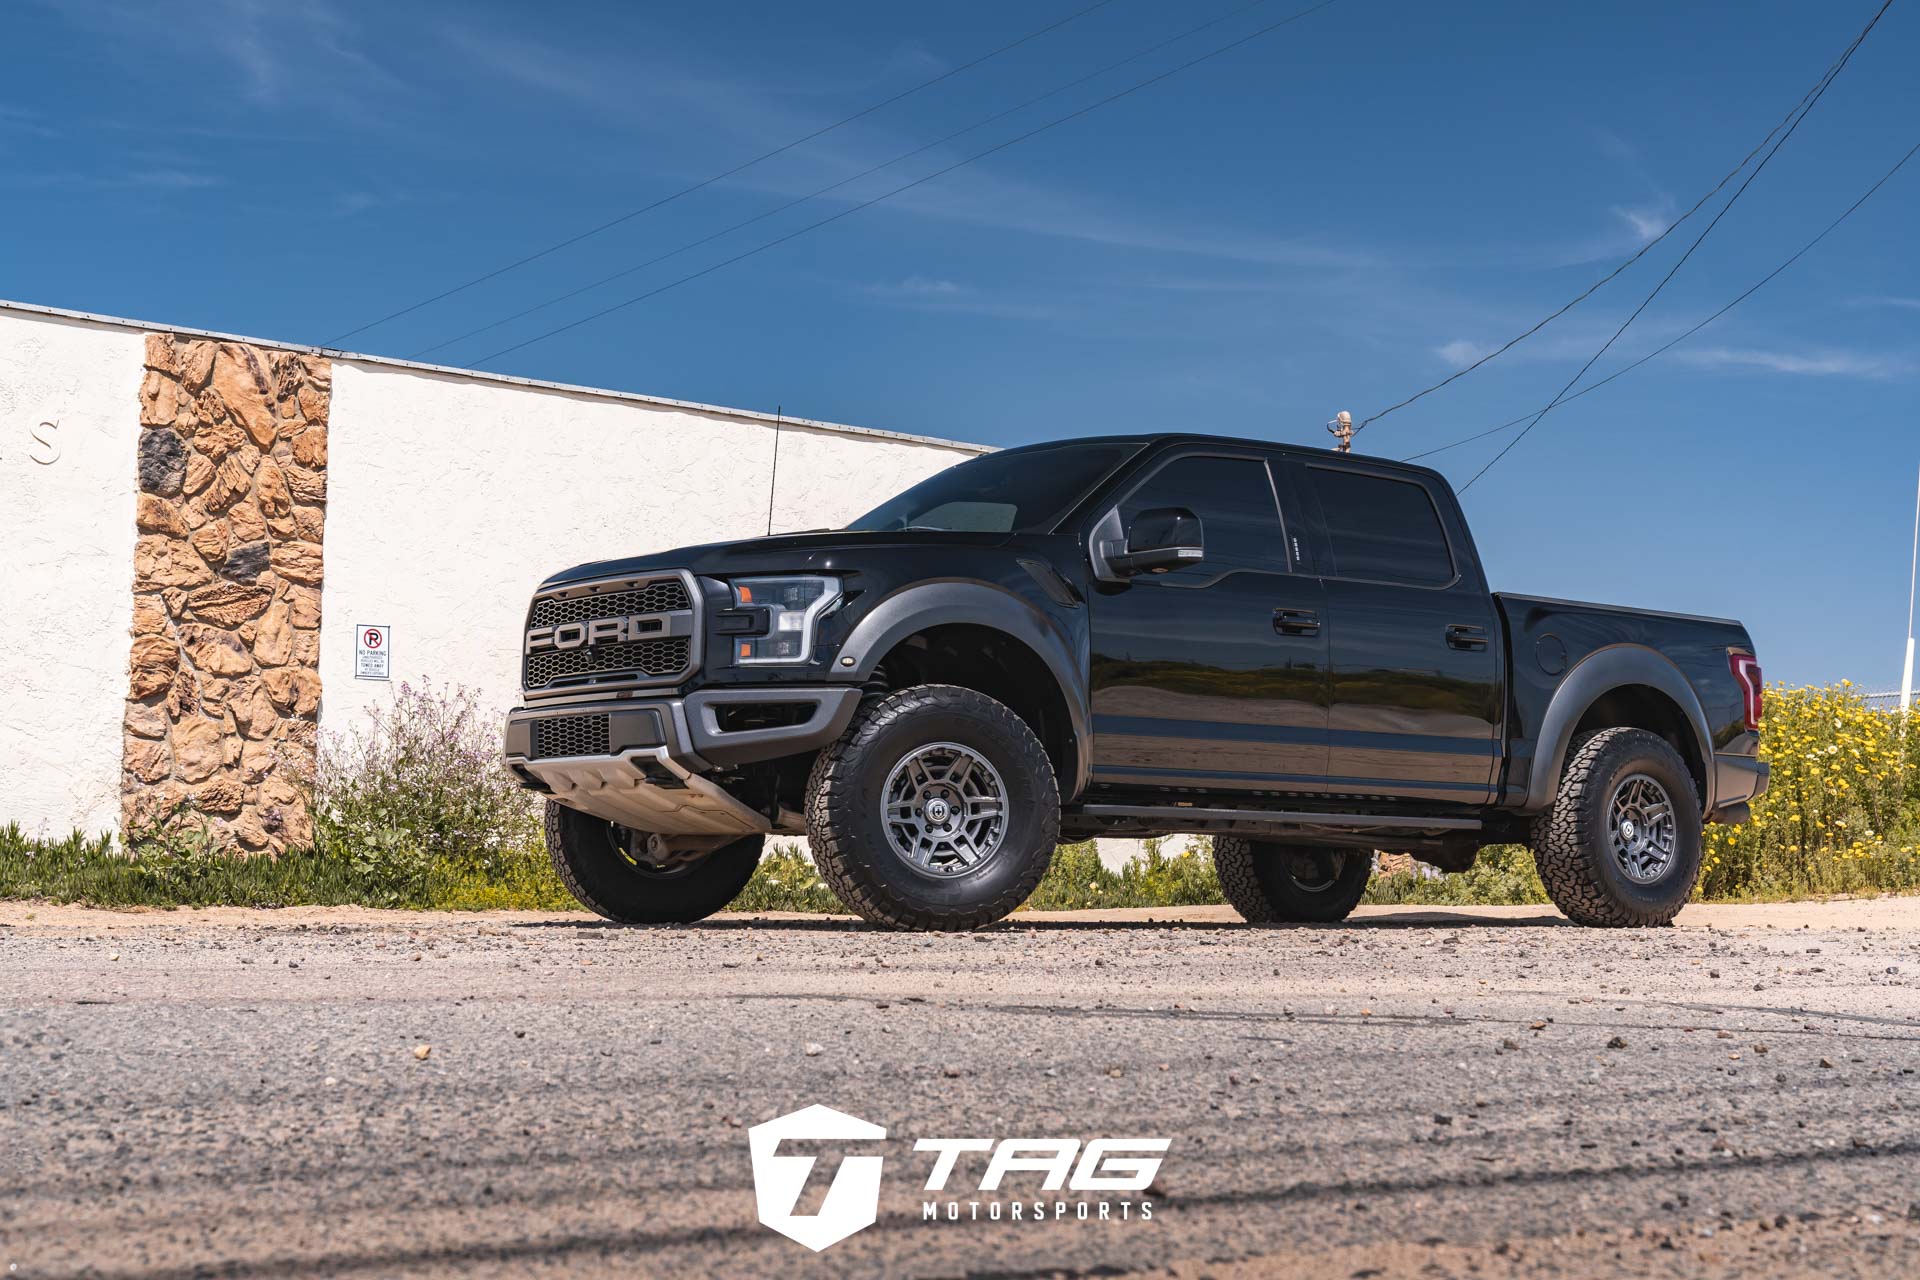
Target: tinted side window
<point>1232,497</point>
<point>1382,529</point>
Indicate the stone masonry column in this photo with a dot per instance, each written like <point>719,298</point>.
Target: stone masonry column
<point>223,692</point>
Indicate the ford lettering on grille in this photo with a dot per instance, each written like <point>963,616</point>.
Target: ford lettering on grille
<point>571,635</point>
<point>614,633</point>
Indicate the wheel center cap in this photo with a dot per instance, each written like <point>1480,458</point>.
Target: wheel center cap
<point>1628,831</point>
<point>938,810</point>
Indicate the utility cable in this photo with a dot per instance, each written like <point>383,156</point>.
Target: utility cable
<point>1663,349</point>
<point>1597,285</point>
<point>887,195</point>
<point>814,195</point>
<point>721,177</point>
<point>1732,200</point>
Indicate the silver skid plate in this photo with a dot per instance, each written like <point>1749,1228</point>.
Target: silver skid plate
<point>616,788</point>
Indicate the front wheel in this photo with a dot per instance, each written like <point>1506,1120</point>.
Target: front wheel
<point>1269,882</point>
<point>600,862</point>
<point>938,809</point>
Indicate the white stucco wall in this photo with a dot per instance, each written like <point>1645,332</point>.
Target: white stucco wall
<point>66,567</point>
<point>449,498</point>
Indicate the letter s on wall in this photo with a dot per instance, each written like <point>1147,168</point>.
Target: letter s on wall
<point>53,450</point>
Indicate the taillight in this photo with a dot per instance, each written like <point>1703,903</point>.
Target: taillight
<point>1746,669</point>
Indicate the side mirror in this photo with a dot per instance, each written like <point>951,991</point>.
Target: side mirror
<point>1159,539</point>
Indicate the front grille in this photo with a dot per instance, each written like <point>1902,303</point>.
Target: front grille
<point>664,596</point>
<point>643,657</point>
<point>661,659</point>
<point>570,736</point>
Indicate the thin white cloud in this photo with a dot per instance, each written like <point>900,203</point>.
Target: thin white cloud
<point>688,106</point>
<point>1634,225</point>
<point>1460,352</point>
<point>920,287</point>
<point>1617,148</point>
<point>117,180</point>
<point>670,97</point>
<point>300,56</point>
<point>1887,300</point>
<point>1236,284</point>
<point>1646,223</point>
<point>348,203</point>
<point>986,199</point>
<point>1830,363</point>
<point>930,293</point>
<point>19,120</point>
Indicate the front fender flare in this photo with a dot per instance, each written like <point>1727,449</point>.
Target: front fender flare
<point>1592,677</point>
<point>967,602</point>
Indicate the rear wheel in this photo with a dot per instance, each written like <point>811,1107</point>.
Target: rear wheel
<point>1269,882</point>
<point>937,809</point>
<point>1621,844</point>
<point>603,865</point>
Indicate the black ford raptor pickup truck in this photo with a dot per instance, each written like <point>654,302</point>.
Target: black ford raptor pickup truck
<point>1290,650</point>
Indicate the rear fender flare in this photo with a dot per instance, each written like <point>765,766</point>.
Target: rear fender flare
<point>1601,671</point>
<point>961,601</point>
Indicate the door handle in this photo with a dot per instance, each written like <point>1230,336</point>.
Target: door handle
<point>1296,622</point>
<point>1462,636</point>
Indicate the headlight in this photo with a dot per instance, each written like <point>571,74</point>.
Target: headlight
<point>793,605</point>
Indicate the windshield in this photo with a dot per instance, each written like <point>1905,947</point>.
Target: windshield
<point>1016,491</point>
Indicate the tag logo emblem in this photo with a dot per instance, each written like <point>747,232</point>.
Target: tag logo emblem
<point>852,1202</point>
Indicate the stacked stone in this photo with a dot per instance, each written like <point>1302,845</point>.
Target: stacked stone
<point>224,694</point>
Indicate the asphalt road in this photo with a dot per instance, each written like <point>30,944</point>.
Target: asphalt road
<point>1461,1093</point>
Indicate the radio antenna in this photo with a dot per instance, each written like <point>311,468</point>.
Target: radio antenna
<point>773,477</point>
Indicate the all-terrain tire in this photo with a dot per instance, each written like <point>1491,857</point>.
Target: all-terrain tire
<point>586,855</point>
<point>1572,846</point>
<point>846,817</point>
<point>1264,884</point>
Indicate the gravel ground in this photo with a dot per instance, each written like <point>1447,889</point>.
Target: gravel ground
<point>1417,1092</point>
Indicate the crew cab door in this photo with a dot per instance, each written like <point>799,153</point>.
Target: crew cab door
<point>1414,642</point>
<point>1212,675</point>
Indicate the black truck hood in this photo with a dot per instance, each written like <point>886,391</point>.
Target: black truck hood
<point>819,551</point>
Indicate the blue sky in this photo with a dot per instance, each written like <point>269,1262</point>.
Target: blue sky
<point>1331,216</point>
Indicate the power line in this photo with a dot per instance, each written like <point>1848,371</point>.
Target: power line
<point>721,177</point>
<point>814,195</point>
<point>1596,286</point>
<point>887,195</point>
<point>1666,347</point>
<point>1732,200</point>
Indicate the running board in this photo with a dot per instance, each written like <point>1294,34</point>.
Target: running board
<point>1275,818</point>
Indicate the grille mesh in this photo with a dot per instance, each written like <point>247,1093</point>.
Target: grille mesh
<point>648,657</point>
<point>664,596</point>
<point>570,736</point>
<point>666,656</point>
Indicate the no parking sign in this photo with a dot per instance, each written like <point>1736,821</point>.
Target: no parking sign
<point>372,652</point>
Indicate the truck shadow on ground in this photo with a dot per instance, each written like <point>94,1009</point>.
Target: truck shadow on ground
<point>1434,919</point>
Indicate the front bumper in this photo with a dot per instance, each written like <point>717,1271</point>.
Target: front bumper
<point>1737,781</point>
<point>643,762</point>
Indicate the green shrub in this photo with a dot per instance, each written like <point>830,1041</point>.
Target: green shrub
<point>414,809</point>
<point>1843,812</point>
<point>786,880</point>
<point>53,869</point>
<point>1502,876</point>
<point>419,796</point>
<point>1078,880</point>
<point>174,864</point>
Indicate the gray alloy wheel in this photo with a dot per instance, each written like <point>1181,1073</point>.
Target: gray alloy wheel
<point>1620,845</point>
<point>937,809</point>
<point>1640,828</point>
<point>946,809</point>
